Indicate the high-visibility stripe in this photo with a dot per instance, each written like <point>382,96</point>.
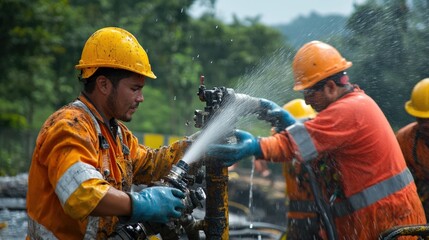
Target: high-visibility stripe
<point>373,194</point>
<point>306,206</point>
<point>303,141</point>
<point>91,228</point>
<point>73,178</point>
<point>359,200</point>
<point>36,231</point>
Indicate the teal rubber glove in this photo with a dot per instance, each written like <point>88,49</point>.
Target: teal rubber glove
<point>247,145</point>
<point>156,204</point>
<point>279,118</point>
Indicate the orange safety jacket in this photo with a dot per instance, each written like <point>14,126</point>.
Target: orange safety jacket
<point>75,161</point>
<point>416,154</point>
<point>378,189</point>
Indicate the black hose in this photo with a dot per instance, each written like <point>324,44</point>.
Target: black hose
<point>325,213</point>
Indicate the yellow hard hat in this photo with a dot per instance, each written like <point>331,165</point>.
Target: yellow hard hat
<point>299,109</point>
<point>418,106</point>
<point>314,62</point>
<point>114,47</point>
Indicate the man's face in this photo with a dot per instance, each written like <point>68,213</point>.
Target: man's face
<point>423,125</point>
<point>316,98</point>
<point>126,97</point>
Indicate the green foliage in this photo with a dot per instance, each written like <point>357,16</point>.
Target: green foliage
<point>13,151</point>
<point>378,42</point>
<point>32,36</point>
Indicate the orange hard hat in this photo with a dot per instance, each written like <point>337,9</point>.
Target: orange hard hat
<point>114,47</point>
<point>299,109</point>
<point>418,105</point>
<point>316,61</point>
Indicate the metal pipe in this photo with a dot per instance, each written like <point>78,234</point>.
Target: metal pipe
<point>216,219</point>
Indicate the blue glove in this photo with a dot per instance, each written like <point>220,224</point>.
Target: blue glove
<point>279,118</point>
<point>156,204</point>
<point>247,145</point>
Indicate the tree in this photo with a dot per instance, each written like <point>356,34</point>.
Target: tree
<point>377,43</point>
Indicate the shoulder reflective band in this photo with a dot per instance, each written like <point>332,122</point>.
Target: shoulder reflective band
<point>302,206</point>
<point>303,141</point>
<point>373,194</point>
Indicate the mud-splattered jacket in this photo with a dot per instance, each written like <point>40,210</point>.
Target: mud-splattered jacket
<point>378,189</point>
<point>416,153</point>
<point>77,158</point>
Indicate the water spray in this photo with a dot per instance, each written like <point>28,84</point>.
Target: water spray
<point>218,99</point>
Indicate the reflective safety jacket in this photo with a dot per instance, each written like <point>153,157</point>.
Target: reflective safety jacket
<point>378,191</point>
<point>416,154</point>
<point>77,158</point>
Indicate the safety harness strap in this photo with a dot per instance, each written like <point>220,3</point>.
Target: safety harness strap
<point>373,194</point>
<point>103,142</point>
<point>302,206</point>
<point>125,149</point>
<point>80,104</point>
<point>303,141</point>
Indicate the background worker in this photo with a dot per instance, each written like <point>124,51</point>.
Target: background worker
<point>370,188</point>
<point>86,160</point>
<point>302,210</point>
<point>414,140</point>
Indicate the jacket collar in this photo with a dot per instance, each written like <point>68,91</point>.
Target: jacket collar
<point>99,115</point>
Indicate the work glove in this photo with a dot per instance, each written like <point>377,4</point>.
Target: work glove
<point>247,145</point>
<point>156,204</point>
<point>279,118</point>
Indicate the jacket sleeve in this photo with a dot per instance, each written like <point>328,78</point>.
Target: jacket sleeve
<point>152,164</point>
<point>69,153</point>
<point>277,148</point>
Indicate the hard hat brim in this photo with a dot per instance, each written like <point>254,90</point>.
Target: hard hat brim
<point>414,112</point>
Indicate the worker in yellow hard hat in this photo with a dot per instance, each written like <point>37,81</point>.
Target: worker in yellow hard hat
<point>86,160</point>
<point>367,186</point>
<point>302,210</point>
<point>414,140</point>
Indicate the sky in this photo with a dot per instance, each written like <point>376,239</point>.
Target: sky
<point>274,12</point>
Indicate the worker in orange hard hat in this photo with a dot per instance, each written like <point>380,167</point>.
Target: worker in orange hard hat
<point>414,140</point>
<point>86,160</point>
<point>367,186</point>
